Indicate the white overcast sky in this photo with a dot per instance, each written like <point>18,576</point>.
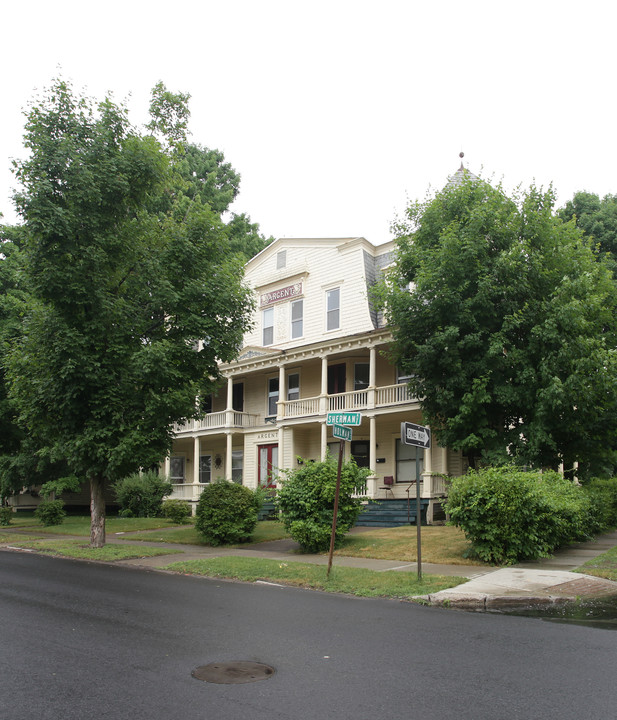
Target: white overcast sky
<point>335,113</point>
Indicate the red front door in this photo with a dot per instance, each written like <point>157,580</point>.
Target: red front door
<point>268,465</point>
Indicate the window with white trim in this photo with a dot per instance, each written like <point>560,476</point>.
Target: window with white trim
<point>273,396</point>
<point>205,468</point>
<point>293,386</point>
<point>237,466</point>
<point>361,376</point>
<point>176,469</point>
<point>267,323</point>
<point>333,309</point>
<point>297,318</point>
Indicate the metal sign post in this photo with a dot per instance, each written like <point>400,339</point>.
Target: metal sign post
<point>418,436</point>
<point>339,420</point>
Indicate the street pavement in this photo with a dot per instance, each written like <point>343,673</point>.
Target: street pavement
<point>546,581</point>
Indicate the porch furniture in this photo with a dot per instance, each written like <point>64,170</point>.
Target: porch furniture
<point>388,482</point>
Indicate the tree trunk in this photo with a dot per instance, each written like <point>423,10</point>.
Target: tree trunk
<point>97,512</point>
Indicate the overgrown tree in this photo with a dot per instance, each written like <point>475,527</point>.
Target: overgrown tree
<point>135,295</point>
<point>597,217</point>
<point>504,317</point>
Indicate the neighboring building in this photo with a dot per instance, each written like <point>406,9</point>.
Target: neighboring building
<point>317,346</point>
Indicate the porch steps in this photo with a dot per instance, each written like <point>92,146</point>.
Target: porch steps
<point>391,513</point>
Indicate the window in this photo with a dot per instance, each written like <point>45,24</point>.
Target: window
<point>267,318</point>
<point>237,465</point>
<point>293,386</point>
<point>205,404</point>
<point>361,376</point>
<point>297,315</point>
<point>237,397</point>
<point>176,469</point>
<point>205,468</point>
<point>273,396</point>
<point>360,452</point>
<point>406,462</point>
<point>333,309</point>
<point>281,259</point>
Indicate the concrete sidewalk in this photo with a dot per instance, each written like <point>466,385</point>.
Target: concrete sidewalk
<point>547,581</point>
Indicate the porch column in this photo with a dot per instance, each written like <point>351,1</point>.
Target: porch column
<point>324,440</point>
<point>280,408</point>
<point>228,471</point>
<point>196,454</point>
<point>323,409</point>
<point>427,479</point>
<point>372,372</point>
<point>372,452</point>
<point>167,466</point>
<point>444,460</point>
<point>281,441</point>
<point>229,409</point>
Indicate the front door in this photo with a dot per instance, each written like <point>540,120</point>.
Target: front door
<point>268,465</point>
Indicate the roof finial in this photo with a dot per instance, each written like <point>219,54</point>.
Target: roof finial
<point>461,155</point>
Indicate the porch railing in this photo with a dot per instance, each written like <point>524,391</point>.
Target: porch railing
<point>214,421</point>
<point>355,400</point>
<point>392,395</point>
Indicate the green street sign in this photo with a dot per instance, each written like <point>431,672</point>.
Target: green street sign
<point>343,418</point>
<point>341,432</point>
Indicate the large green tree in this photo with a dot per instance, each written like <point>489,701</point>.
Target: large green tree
<point>597,217</point>
<point>505,319</point>
<point>134,293</point>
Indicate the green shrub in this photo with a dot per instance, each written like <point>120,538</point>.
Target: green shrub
<point>510,515</point>
<point>227,512</point>
<point>6,513</point>
<point>178,511</point>
<point>602,495</point>
<point>50,512</point>
<point>306,502</point>
<point>142,495</point>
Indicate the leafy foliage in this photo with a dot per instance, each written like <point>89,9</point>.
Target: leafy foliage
<point>602,494</point>
<point>142,495</point>
<point>505,318</point>
<point>598,220</point>
<point>510,515</point>
<point>134,291</point>
<point>50,512</point>
<point>6,514</point>
<point>227,512</point>
<point>306,501</point>
<point>178,511</point>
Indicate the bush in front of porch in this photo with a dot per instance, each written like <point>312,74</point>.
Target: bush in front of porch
<point>306,501</point>
<point>227,512</point>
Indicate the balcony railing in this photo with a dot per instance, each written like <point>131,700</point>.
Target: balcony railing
<point>304,407</point>
<point>355,400</point>
<point>218,420</point>
<point>392,395</point>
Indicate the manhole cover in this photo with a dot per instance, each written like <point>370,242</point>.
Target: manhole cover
<point>233,673</point>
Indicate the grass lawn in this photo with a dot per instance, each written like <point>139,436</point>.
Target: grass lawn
<point>604,566</point>
<point>76,549</point>
<point>353,581</point>
<point>265,531</point>
<point>440,544</point>
<point>80,524</point>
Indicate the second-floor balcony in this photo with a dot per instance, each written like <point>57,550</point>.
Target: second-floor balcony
<point>311,407</point>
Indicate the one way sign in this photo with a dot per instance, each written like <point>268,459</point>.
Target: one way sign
<point>417,435</point>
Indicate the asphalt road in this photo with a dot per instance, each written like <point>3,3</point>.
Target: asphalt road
<point>81,640</point>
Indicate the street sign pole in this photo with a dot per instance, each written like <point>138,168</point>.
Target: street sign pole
<point>336,495</point>
<point>418,436</point>
<point>418,517</point>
